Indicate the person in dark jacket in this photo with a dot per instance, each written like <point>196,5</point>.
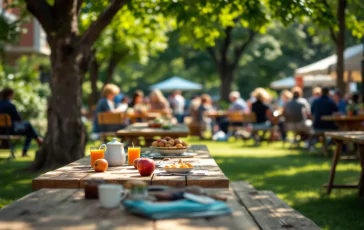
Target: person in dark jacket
<point>18,126</point>
<point>323,106</point>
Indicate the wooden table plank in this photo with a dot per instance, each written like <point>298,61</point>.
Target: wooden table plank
<point>142,129</point>
<point>65,208</point>
<point>347,123</point>
<point>77,174</point>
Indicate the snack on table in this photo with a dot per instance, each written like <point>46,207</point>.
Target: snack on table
<point>179,164</point>
<point>170,143</point>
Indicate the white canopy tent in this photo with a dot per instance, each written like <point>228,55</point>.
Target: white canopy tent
<point>352,59</point>
<point>176,83</point>
<point>308,81</point>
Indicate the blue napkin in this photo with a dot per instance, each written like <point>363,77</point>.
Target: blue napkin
<point>176,209</point>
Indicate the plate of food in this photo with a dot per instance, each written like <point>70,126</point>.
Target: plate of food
<point>179,167</point>
<point>169,146</point>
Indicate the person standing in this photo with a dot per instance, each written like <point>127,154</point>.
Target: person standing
<point>18,127</point>
<point>178,105</point>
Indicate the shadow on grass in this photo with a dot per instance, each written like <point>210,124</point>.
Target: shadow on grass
<point>298,180</point>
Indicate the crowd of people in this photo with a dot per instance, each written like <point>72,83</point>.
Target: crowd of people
<point>113,101</point>
<point>296,113</point>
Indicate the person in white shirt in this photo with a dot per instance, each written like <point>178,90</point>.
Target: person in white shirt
<point>178,105</point>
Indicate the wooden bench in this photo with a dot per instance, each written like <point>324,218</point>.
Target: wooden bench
<point>268,211</point>
<point>109,123</point>
<point>5,123</point>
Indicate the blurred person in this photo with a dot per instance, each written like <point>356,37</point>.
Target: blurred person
<point>205,106</point>
<point>304,101</point>
<point>158,101</point>
<point>296,115</point>
<point>193,108</point>
<point>355,98</point>
<point>339,101</point>
<point>106,103</point>
<point>178,105</point>
<point>323,106</point>
<point>19,127</point>
<point>316,93</point>
<point>285,97</point>
<point>118,98</point>
<point>237,105</point>
<point>137,100</point>
<point>259,107</point>
<point>123,105</point>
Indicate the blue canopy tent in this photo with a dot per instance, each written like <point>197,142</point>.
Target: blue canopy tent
<point>176,83</point>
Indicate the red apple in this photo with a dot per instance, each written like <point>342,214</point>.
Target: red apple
<point>146,166</point>
<point>136,162</point>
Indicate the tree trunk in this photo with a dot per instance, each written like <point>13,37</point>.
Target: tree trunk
<point>226,78</point>
<point>340,46</point>
<point>94,72</point>
<point>65,138</point>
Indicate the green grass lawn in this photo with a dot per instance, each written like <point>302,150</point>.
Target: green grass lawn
<point>294,175</point>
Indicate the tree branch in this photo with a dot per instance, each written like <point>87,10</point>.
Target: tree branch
<point>93,32</point>
<point>238,51</point>
<point>43,12</point>
<point>226,44</point>
<point>331,29</point>
<point>79,6</point>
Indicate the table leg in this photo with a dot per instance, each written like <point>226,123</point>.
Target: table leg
<point>324,147</point>
<point>335,159</point>
<point>361,181</point>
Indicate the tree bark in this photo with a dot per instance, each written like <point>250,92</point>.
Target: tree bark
<point>65,139</point>
<point>70,57</point>
<point>340,45</point>
<point>226,78</point>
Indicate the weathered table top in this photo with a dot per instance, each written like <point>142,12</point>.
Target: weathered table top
<point>67,209</point>
<point>76,174</point>
<point>353,136</point>
<point>142,129</point>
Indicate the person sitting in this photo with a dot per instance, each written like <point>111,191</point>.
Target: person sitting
<point>323,106</point>
<point>285,97</point>
<point>18,127</point>
<point>339,101</point>
<point>296,113</point>
<point>237,105</point>
<point>261,110</point>
<point>123,105</point>
<point>205,106</point>
<point>137,101</point>
<point>316,93</point>
<point>105,104</point>
<point>158,101</point>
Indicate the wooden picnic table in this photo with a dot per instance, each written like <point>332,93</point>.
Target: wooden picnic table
<point>132,132</point>
<point>76,174</point>
<point>340,138</point>
<point>347,123</point>
<point>67,209</point>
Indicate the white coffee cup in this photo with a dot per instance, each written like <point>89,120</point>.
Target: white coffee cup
<point>110,195</point>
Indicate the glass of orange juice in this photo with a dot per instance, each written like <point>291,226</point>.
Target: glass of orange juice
<point>133,153</point>
<point>95,154</point>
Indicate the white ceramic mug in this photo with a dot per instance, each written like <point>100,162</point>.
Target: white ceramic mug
<point>110,195</point>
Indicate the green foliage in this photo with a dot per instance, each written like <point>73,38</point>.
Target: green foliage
<point>30,95</point>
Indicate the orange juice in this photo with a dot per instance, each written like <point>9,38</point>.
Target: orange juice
<point>96,154</point>
<point>133,153</point>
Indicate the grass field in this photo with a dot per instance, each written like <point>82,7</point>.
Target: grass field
<point>294,175</point>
